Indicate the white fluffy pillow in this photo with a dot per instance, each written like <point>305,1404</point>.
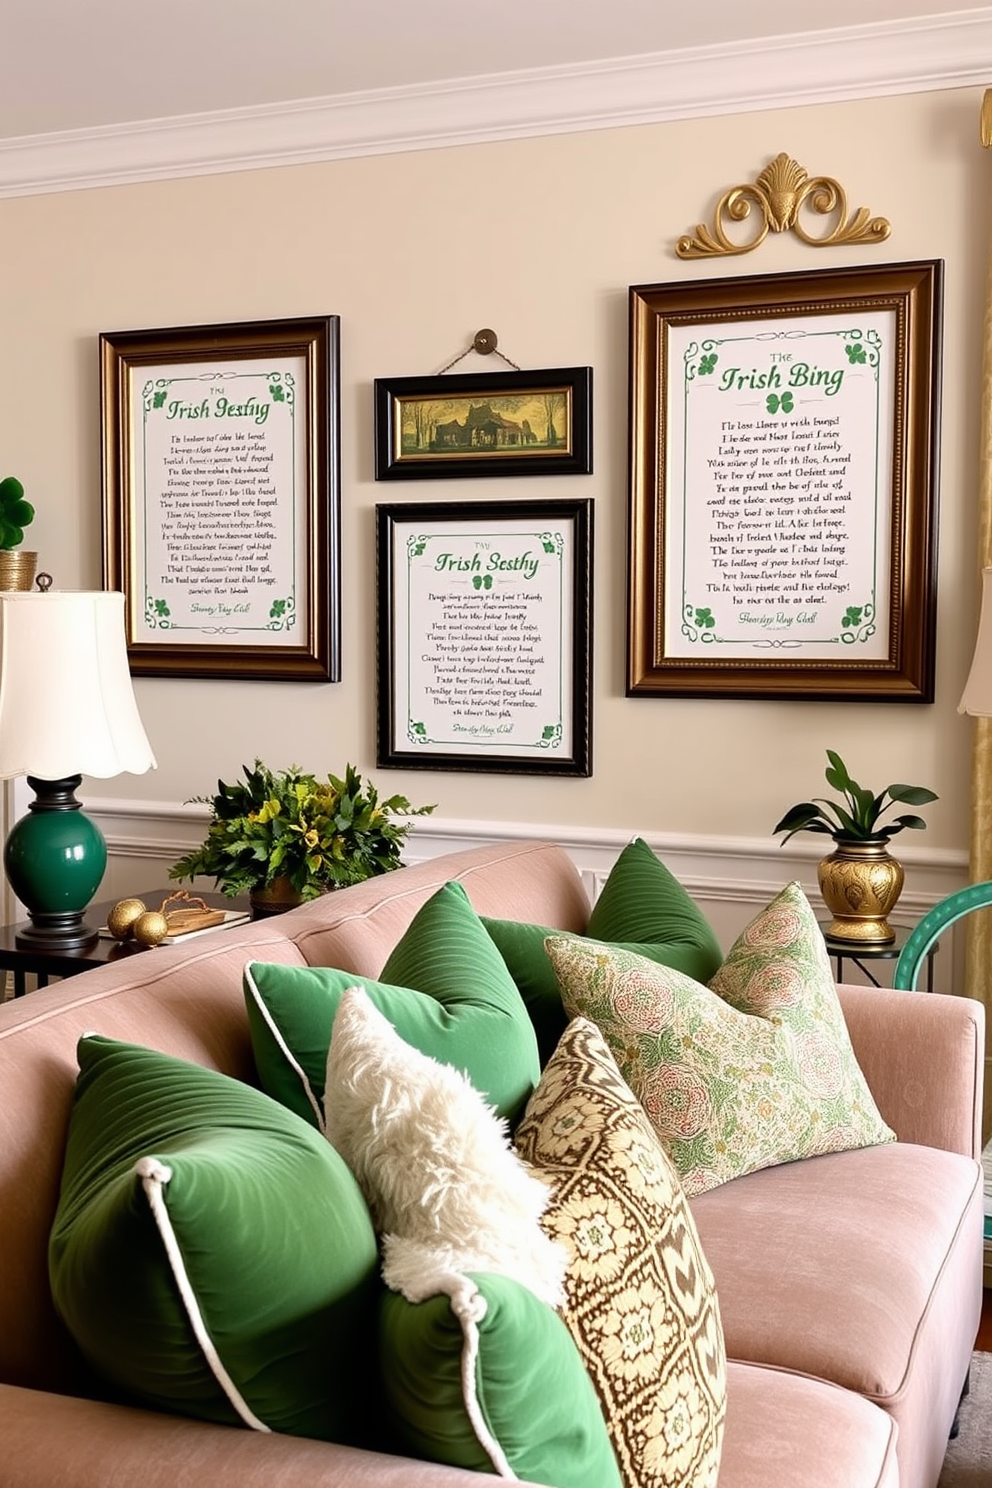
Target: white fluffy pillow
<point>444,1185</point>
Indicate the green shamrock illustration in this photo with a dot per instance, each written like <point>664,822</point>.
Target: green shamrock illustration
<point>707,363</point>
<point>161,608</point>
<point>852,615</point>
<point>15,512</point>
<point>278,609</point>
<point>159,397</point>
<point>773,403</point>
<point>855,353</point>
<point>476,581</point>
<point>704,619</point>
<point>278,395</point>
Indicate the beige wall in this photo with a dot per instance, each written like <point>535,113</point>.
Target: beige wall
<point>538,238</point>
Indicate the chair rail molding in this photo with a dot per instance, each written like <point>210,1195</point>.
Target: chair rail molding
<point>731,877</point>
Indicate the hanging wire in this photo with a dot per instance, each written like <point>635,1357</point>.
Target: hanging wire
<point>484,342</point>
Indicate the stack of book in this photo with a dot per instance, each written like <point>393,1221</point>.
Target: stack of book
<point>987,1165</point>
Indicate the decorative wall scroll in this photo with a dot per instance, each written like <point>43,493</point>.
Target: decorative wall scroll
<point>484,636</point>
<point>484,423</point>
<point>221,497</point>
<point>778,197</point>
<point>782,500</point>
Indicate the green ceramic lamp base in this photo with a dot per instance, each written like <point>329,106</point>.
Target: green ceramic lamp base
<point>55,859</point>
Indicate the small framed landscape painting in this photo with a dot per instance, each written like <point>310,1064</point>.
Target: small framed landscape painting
<point>484,423</point>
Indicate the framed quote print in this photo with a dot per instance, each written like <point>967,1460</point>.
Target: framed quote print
<point>484,636</point>
<point>221,497</point>
<point>783,468</point>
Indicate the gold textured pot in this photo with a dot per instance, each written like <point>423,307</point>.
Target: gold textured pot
<point>860,883</point>
<point>17,568</point>
<point>280,895</point>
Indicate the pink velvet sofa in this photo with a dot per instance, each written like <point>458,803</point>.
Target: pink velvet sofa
<point>849,1284</point>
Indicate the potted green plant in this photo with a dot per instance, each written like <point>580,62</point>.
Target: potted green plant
<point>17,568</point>
<point>860,880</point>
<point>285,836</point>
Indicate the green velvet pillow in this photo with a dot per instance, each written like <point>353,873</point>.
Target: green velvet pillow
<point>444,988</point>
<point>490,1379</point>
<point>641,908</point>
<point>211,1254</point>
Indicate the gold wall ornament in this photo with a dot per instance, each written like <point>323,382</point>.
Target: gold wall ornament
<point>780,193</point>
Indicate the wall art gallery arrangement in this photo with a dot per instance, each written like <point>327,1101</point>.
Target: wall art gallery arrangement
<point>781,513</point>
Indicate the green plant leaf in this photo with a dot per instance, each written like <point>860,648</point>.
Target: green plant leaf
<point>912,795</point>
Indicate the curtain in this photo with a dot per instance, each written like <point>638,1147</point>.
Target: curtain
<point>978,974</point>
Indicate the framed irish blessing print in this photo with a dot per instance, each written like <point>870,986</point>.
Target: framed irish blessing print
<point>484,636</point>
<point>221,497</point>
<point>783,466</point>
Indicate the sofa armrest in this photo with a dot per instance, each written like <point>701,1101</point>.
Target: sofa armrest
<point>923,1057</point>
<point>46,1439</point>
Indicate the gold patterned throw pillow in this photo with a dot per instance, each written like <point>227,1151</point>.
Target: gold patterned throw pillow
<point>753,1070</point>
<point>640,1300</point>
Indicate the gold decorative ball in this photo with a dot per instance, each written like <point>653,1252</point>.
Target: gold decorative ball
<point>120,920</point>
<point>151,927</point>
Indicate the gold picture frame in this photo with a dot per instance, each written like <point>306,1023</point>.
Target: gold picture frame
<point>221,497</point>
<point>484,423</point>
<point>782,485</point>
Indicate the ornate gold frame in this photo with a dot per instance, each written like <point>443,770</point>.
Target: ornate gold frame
<point>898,666</point>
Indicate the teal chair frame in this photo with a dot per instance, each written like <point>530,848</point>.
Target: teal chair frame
<point>933,925</point>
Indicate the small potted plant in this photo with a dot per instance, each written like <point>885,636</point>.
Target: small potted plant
<point>283,837</point>
<point>17,568</point>
<point>860,881</point>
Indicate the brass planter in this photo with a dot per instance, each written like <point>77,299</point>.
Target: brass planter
<point>17,568</point>
<point>860,883</point>
<point>279,896</point>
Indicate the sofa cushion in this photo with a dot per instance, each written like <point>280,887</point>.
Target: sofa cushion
<point>639,1295</point>
<point>753,1070</point>
<point>489,1378</point>
<point>833,1266</point>
<point>789,1431</point>
<point>641,907</point>
<point>211,1254</point>
<point>434,1161</point>
<point>444,987</point>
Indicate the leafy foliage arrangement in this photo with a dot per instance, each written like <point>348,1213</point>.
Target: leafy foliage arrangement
<point>15,512</point>
<point>858,818</point>
<point>320,834</point>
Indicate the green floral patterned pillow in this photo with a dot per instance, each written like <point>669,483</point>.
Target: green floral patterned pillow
<point>755,1069</point>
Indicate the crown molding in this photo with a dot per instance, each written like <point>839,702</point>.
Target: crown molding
<point>814,68</point>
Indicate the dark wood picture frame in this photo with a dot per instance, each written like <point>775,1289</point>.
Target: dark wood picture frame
<point>484,636</point>
<point>783,476</point>
<point>484,423</point>
<point>221,497</point>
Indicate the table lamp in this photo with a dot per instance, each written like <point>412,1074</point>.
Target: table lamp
<point>67,709</point>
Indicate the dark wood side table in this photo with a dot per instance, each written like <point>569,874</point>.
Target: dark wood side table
<point>42,964</point>
<point>849,950</point>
